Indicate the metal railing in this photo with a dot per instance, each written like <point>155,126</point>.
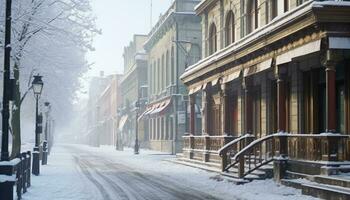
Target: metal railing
<point>305,147</point>
<point>23,173</point>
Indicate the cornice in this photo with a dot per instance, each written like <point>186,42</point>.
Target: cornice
<point>203,5</point>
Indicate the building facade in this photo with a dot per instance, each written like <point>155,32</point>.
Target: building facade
<point>274,82</point>
<point>107,106</point>
<point>103,100</point>
<point>173,44</point>
<point>134,89</point>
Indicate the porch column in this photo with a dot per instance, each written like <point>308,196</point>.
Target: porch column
<point>248,118</point>
<point>224,110</point>
<point>281,104</point>
<point>331,124</point>
<point>205,112</point>
<point>192,114</point>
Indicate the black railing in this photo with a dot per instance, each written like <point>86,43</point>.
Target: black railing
<point>23,173</point>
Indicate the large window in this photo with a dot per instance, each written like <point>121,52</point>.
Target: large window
<point>230,29</point>
<point>212,39</point>
<point>252,15</point>
<point>273,9</point>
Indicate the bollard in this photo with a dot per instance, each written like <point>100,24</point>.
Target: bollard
<point>29,160</point>
<point>24,172</point>
<point>36,161</point>
<point>44,157</point>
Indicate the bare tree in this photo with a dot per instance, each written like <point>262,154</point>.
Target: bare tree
<point>45,34</point>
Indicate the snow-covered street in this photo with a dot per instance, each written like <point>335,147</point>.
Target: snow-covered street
<point>81,172</point>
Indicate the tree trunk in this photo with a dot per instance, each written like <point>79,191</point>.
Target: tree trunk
<point>16,115</point>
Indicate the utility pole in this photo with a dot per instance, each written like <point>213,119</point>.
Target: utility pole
<point>7,85</point>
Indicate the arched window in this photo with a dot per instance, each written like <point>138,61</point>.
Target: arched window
<point>212,39</point>
<point>230,29</point>
<point>252,16</point>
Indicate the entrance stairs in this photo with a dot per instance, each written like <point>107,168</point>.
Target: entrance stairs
<point>262,173</point>
<point>330,187</point>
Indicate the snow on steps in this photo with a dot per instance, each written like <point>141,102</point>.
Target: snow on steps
<point>335,187</point>
<point>204,166</point>
<point>323,191</point>
<point>259,174</point>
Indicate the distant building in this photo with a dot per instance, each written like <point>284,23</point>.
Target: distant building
<point>173,44</point>
<point>107,105</point>
<point>133,89</point>
<point>102,91</point>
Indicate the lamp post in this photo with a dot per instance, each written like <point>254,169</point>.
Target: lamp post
<point>137,147</point>
<point>37,89</point>
<point>45,143</point>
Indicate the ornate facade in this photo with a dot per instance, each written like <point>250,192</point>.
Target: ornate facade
<point>133,89</point>
<point>275,83</point>
<point>174,43</point>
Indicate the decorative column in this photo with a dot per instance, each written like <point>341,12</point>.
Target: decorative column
<point>192,114</point>
<point>281,104</point>
<point>205,112</point>
<point>248,118</point>
<point>224,110</point>
<point>331,124</point>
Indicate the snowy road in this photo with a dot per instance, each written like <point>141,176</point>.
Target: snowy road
<point>118,181</point>
<point>79,172</point>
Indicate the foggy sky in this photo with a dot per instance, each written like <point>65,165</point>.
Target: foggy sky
<point>119,21</point>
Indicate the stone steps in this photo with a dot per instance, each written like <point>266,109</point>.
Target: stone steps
<point>320,186</point>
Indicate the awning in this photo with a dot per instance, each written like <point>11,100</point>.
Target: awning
<point>231,77</point>
<point>309,48</point>
<point>267,64</point>
<point>339,43</point>
<point>145,113</point>
<point>122,122</point>
<point>163,106</point>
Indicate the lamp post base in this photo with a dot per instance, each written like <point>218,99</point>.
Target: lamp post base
<point>36,162</point>
<point>44,160</point>
<point>136,148</point>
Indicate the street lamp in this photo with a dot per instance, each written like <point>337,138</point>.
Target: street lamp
<point>137,147</point>
<point>37,89</point>
<point>45,143</point>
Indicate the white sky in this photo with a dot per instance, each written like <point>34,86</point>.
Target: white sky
<point>119,21</point>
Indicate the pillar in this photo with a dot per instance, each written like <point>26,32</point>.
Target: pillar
<point>193,114</point>
<point>225,110</point>
<point>331,124</point>
<point>281,104</point>
<point>248,106</point>
<point>205,112</point>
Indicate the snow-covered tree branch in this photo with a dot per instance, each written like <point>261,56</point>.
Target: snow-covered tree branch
<point>49,37</point>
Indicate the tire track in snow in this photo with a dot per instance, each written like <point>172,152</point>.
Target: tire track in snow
<point>128,183</point>
<point>89,176</point>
